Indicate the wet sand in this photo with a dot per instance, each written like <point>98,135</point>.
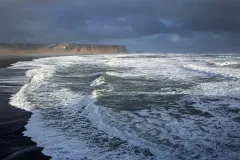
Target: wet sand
<point>13,145</point>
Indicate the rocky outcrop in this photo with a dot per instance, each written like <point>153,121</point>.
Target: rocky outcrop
<point>6,48</point>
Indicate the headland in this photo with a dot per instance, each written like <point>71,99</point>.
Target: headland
<point>58,49</point>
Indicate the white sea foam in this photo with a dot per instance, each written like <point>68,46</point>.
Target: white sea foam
<point>55,141</point>
<point>70,105</point>
<point>225,89</point>
<point>154,68</point>
<point>227,63</point>
<point>71,108</point>
<point>226,72</point>
<point>68,123</point>
<point>37,77</point>
<point>100,117</point>
<point>100,80</point>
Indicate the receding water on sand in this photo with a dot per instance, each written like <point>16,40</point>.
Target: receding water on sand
<point>135,106</point>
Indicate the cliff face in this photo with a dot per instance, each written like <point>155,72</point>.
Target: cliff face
<point>6,48</point>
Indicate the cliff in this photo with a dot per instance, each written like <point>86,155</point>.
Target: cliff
<point>6,48</point>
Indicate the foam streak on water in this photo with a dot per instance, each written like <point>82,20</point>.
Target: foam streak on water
<point>133,106</point>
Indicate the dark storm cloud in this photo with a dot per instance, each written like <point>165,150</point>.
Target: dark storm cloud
<point>176,22</point>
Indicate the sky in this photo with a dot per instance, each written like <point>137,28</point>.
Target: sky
<point>144,25</point>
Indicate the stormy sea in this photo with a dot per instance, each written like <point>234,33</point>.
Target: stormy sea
<point>131,106</point>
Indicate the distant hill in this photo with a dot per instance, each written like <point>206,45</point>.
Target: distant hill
<point>27,48</point>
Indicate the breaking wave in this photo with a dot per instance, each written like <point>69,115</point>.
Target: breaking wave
<point>132,106</point>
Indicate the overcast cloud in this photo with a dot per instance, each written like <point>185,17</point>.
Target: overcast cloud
<point>148,25</point>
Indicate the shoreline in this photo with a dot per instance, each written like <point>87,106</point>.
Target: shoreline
<point>14,145</point>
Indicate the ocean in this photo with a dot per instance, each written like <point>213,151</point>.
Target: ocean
<point>131,106</point>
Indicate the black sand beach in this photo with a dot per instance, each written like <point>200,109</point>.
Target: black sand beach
<point>12,121</point>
